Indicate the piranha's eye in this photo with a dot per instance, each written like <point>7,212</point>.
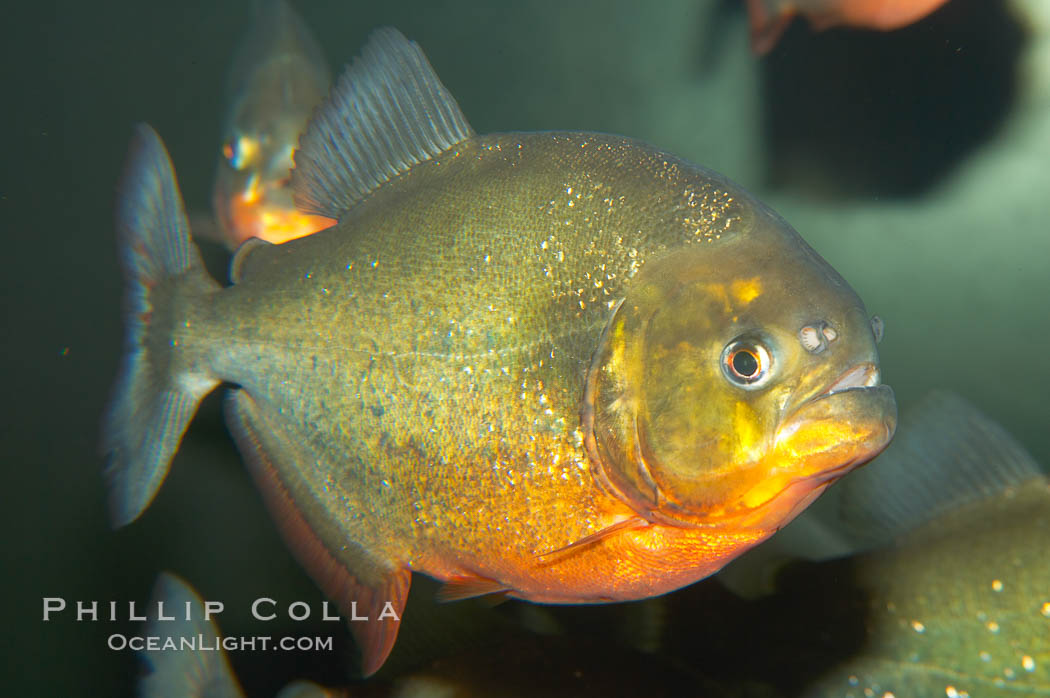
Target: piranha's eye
<point>746,363</point>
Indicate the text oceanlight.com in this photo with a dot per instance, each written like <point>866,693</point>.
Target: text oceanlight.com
<point>211,643</point>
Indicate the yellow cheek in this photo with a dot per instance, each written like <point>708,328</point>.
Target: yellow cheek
<point>718,294</point>
<point>816,438</point>
<point>746,290</point>
<point>748,435</point>
<point>764,490</point>
<point>734,295</point>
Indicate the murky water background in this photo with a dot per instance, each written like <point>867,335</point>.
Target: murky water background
<point>915,163</point>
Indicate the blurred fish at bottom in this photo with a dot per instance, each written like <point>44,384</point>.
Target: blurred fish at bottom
<point>203,671</point>
<point>497,661</point>
<point>770,18</point>
<point>277,78</point>
<point>957,590</point>
<point>184,672</point>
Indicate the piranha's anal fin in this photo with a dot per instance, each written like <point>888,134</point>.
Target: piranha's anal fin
<point>469,587</point>
<point>195,673</point>
<point>161,381</point>
<point>359,584</point>
<point>388,112</point>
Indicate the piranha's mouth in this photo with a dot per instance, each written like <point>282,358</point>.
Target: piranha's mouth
<point>865,375</point>
<point>838,429</point>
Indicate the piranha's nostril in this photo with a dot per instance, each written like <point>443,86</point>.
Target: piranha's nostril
<point>816,336</point>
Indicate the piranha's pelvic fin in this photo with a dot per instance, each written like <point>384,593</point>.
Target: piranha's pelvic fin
<point>469,587</point>
<point>176,672</point>
<point>388,112</point>
<point>359,583</point>
<point>160,383</point>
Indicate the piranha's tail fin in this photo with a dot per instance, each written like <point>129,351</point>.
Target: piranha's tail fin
<point>161,381</point>
<point>201,670</point>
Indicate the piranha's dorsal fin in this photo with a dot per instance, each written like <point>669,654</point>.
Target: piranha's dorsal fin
<point>200,673</point>
<point>388,112</point>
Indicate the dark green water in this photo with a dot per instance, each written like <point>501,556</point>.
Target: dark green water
<point>904,159</point>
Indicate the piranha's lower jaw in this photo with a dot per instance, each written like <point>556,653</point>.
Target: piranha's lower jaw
<point>836,428</point>
<point>824,439</point>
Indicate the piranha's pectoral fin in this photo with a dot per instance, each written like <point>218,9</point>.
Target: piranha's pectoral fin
<point>387,113</point>
<point>628,524</point>
<point>246,256</point>
<point>161,381</point>
<point>370,593</point>
<point>201,672</point>
<point>471,586</point>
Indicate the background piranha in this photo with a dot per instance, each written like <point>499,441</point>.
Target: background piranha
<point>949,593</point>
<point>769,18</point>
<point>957,602</point>
<point>566,367</point>
<point>278,77</point>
